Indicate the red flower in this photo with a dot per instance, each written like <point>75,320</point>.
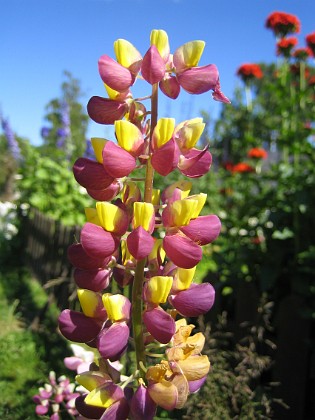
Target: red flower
<point>310,41</point>
<point>311,81</point>
<point>257,153</point>
<point>285,46</point>
<point>283,24</point>
<point>302,53</point>
<point>242,167</point>
<point>249,71</point>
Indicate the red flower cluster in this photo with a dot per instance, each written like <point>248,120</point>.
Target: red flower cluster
<point>311,81</point>
<point>310,41</point>
<point>257,153</point>
<point>283,24</point>
<point>302,54</point>
<point>286,45</point>
<point>242,167</point>
<point>249,71</point>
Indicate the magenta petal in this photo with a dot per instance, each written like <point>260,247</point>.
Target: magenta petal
<point>106,111</point>
<point>142,406</point>
<point>117,411</point>
<point>77,327</point>
<point>170,87</point>
<point>153,66</point>
<point>91,174</point>
<point>117,162</point>
<point>165,159</point>
<point>95,280</point>
<point>86,410</point>
<point>218,95</point>
<point>160,324</point>
<point>198,80</point>
<point>107,194</point>
<point>194,386</point>
<point>195,163</point>
<point>182,250</point>
<point>97,242</point>
<point>41,410</point>
<point>203,230</point>
<point>114,74</point>
<point>113,341</point>
<point>80,259</point>
<point>140,243</point>
<point>195,301</point>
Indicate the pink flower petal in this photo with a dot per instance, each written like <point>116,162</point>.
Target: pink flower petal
<point>159,324</point>
<point>115,75</point>
<point>197,80</point>
<point>153,66</point>
<point>142,406</point>
<point>195,163</point>
<point>203,230</point>
<point>117,162</point>
<point>77,327</point>
<point>218,95</point>
<point>113,341</point>
<point>91,174</point>
<point>106,111</point>
<point>170,87</point>
<point>80,259</point>
<point>107,194</point>
<point>165,159</point>
<point>194,386</point>
<point>140,243</point>
<point>182,250</point>
<point>95,280</point>
<point>97,242</point>
<point>72,362</point>
<point>195,301</point>
<point>117,411</point>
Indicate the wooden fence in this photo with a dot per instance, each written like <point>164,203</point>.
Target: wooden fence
<point>47,241</point>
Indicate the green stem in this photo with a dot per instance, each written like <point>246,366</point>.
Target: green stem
<point>137,302</point>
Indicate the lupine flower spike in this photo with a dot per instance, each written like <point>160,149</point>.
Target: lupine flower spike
<point>143,238</point>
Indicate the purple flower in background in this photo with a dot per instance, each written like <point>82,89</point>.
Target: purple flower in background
<point>45,131</point>
<point>12,143</point>
<point>89,151</point>
<point>63,133</point>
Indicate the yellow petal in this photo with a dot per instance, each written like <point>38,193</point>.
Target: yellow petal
<point>104,396</point>
<point>98,146</point>
<point>198,341</point>
<point>157,248</point>
<point>182,211</point>
<point>89,301</point>
<point>164,394</point>
<point>143,213</point>
<point>110,216</point>
<point>114,305</point>
<point>92,380</point>
<point>91,216</point>
<point>128,135</point>
<point>159,38</point>
<point>159,288</point>
<point>126,53</point>
<point>191,52</point>
<point>156,197</point>
<point>190,134</point>
<point>201,199</point>
<point>163,131</point>
<point>183,278</point>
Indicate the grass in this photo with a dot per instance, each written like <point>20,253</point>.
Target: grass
<point>29,350</point>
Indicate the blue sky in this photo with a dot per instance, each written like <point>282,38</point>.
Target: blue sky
<point>40,39</point>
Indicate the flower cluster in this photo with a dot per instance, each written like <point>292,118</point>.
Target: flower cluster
<point>56,396</point>
<point>13,145</point>
<point>64,131</point>
<point>310,41</point>
<point>282,24</point>
<point>257,153</point>
<point>249,71</point>
<point>139,236</point>
<point>286,45</point>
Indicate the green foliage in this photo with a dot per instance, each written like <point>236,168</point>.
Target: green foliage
<point>76,142</point>
<point>50,187</point>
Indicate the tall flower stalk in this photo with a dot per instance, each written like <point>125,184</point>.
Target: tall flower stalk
<point>144,238</point>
